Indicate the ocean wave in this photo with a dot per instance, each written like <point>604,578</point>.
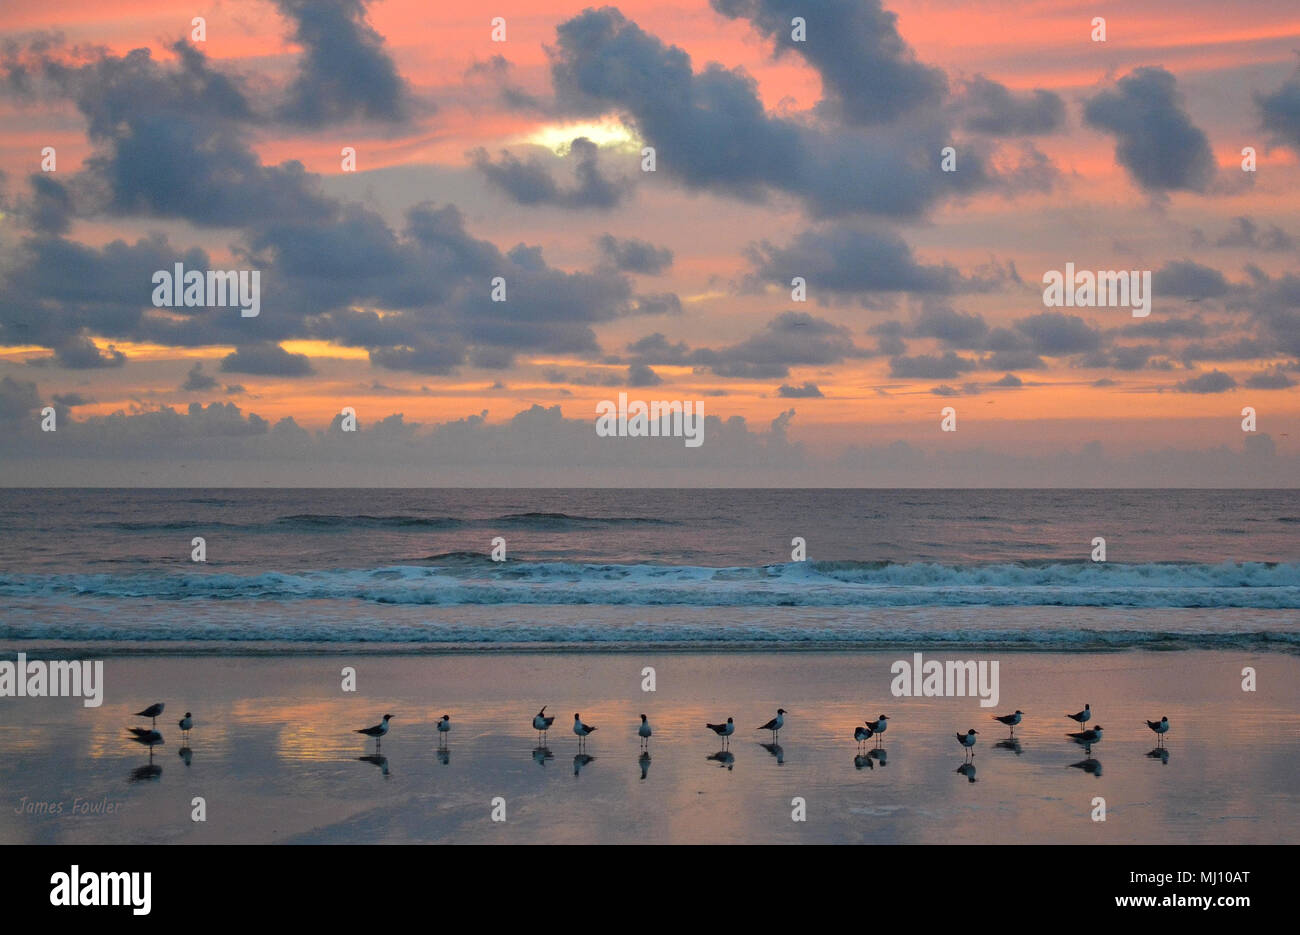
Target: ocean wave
<point>355,521</point>
<point>453,579</point>
<point>768,634</point>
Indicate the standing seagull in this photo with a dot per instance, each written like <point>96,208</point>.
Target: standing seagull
<point>152,712</point>
<point>879,727</point>
<point>377,731</point>
<point>146,737</point>
<point>723,730</point>
<point>862,735</point>
<point>542,723</point>
<point>581,729</point>
<point>967,740</point>
<point>644,732</point>
<point>775,724</point>
<point>1083,716</point>
<point>186,723</point>
<point>444,727</point>
<point>1011,720</point>
<point>1161,727</point>
<point>1087,737</point>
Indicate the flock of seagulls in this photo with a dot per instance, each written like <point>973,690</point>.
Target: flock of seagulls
<point>1087,737</point>
<point>864,733</point>
<point>151,737</point>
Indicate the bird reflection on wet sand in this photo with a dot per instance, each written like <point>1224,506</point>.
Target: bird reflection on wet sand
<point>1090,766</point>
<point>776,750</point>
<point>378,759</point>
<point>150,739</point>
<point>724,758</point>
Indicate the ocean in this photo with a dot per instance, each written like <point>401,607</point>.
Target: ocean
<point>409,570</point>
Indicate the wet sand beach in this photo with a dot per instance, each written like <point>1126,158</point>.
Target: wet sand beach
<point>274,757</point>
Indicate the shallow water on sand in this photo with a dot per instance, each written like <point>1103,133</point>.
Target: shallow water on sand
<point>274,758</point>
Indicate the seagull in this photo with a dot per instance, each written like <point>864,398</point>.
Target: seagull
<point>581,729</point>
<point>377,731</point>
<point>644,732</point>
<point>723,730</point>
<point>1087,737</point>
<point>967,740</point>
<point>1011,720</point>
<point>862,734</point>
<point>444,726</point>
<point>186,723</point>
<point>146,737</point>
<point>542,723</point>
<point>152,712</point>
<point>775,724</point>
<point>1161,727</point>
<point>1083,715</point>
<point>879,726</point>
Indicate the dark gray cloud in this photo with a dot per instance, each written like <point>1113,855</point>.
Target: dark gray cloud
<point>1274,305</point>
<point>1125,357</point>
<point>1008,380</point>
<point>197,381</point>
<point>639,374</point>
<point>1020,359</point>
<point>51,210</point>
<point>656,349</point>
<point>19,401</point>
<point>847,259</point>
<point>711,131</point>
<point>344,71</point>
<point>659,303</point>
<point>529,182</point>
<point>931,367</point>
<point>993,108</point>
<point>809,390</point>
<point>1156,140</point>
<point>1057,334</point>
<point>1190,280</point>
<point>1246,233</point>
<point>266,360</point>
<point>69,400</point>
<point>1274,379</point>
<point>868,72</point>
<point>1279,112</point>
<point>634,256</point>
<point>952,327</point>
<point>79,352</point>
<point>790,339</point>
<point>168,140</point>
<point>1216,381</point>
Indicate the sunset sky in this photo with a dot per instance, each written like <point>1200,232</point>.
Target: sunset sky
<point>774,159</point>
